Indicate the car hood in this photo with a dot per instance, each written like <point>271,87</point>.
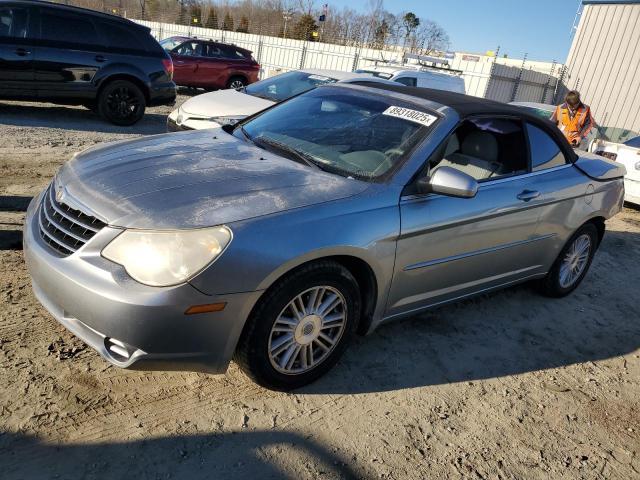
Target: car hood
<point>190,180</point>
<point>224,103</point>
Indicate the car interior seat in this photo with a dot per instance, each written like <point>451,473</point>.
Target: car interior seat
<point>477,156</point>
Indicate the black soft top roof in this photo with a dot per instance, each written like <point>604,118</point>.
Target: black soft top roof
<point>466,105</point>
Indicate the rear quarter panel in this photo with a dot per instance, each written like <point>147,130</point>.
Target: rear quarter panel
<point>569,199</point>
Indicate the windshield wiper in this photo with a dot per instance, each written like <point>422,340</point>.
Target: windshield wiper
<point>301,157</point>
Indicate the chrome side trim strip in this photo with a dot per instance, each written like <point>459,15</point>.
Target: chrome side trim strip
<point>475,253</point>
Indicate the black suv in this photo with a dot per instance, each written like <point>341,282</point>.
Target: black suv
<point>68,55</point>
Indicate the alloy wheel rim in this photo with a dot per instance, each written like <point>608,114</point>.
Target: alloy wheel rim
<point>236,84</point>
<point>122,104</point>
<point>307,330</point>
<point>575,261</point>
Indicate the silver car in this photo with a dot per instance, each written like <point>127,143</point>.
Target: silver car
<point>273,241</point>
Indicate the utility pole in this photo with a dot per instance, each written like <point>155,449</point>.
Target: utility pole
<point>286,15</point>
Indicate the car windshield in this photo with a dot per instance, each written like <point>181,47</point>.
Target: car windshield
<point>170,43</point>
<point>353,134</point>
<point>540,112</point>
<point>287,85</point>
<point>375,73</point>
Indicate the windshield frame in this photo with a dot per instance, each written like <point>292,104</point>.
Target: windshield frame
<point>414,145</point>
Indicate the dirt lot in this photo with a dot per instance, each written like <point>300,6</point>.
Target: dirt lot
<point>508,385</point>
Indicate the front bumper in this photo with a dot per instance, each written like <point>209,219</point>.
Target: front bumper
<point>632,191</point>
<point>172,126</point>
<point>178,121</point>
<point>131,325</point>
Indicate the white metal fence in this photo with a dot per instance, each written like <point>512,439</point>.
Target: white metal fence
<point>499,79</point>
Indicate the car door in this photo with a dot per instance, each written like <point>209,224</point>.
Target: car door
<point>69,55</point>
<point>452,247</point>
<point>566,194</point>
<point>185,63</point>
<point>16,51</point>
<point>212,67</point>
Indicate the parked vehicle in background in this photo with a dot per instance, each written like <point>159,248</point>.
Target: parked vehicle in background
<point>628,154</point>
<point>544,110</point>
<point>428,72</point>
<point>335,211</point>
<point>68,55</point>
<point>210,65</point>
<point>224,107</point>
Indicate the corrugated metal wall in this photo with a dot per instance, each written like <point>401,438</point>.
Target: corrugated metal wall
<point>604,63</point>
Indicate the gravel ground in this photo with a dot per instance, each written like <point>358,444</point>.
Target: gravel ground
<point>507,385</point>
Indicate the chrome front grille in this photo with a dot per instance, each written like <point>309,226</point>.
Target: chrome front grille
<point>64,228</point>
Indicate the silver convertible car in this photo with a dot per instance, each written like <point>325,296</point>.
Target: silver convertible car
<point>273,241</point>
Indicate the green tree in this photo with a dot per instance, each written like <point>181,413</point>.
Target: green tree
<point>410,22</point>
<point>303,30</point>
<point>227,23</point>
<point>243,27</point>
<point>212,19</point>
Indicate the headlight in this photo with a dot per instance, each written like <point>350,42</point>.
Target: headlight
<point>166,258</point>
<point>230,120</point>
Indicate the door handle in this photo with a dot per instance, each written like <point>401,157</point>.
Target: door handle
<point>527,195</point>
<point>22,52</point>
<point>100,59</point>
<point>179,62</point>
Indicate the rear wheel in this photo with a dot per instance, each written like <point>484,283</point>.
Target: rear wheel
<point>572,264</point>
<point>301,327</point>
<point>237,83</point>
<point>121,102</point>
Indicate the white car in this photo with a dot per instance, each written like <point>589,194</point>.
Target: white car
<point>628,154</point>
<point>224,107</point>
<point>416,76</point>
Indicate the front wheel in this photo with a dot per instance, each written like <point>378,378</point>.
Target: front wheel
<point>236,83</point>
<point>121,102</point>
<point>301,327</point>
<point>572,264</point>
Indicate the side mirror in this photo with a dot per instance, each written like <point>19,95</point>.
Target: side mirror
<point>451,182</point>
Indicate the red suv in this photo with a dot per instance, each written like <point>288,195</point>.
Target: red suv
<point>210,65</point>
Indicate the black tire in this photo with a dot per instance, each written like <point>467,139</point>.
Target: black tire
<point>237,83</point>
<point>551,285</point>
<point>121,102</point>
<point>252,352</point>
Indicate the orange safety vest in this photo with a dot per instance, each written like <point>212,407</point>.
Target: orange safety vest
<point>572,127</point>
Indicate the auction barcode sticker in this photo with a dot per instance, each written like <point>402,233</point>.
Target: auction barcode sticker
<point>411,115</point>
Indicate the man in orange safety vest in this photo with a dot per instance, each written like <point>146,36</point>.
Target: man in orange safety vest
<point>573,118</point>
